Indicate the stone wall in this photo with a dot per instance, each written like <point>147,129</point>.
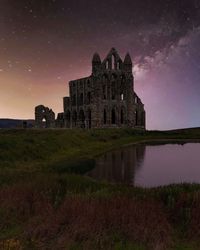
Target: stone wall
<point>105,99</point>
<point>44,117</point>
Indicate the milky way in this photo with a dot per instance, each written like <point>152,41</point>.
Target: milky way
<point>44,44</point>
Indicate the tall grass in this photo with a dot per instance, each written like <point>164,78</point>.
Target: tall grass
<point>60,212</point>
<point>43,205</point>
<point>48,217</point>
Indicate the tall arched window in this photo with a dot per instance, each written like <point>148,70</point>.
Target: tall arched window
<point>89,116</point>
<point>82,118</point>
<point>68,115</point>
<point>67,118</point>
<point>81,99</point>
<point>88,97</point>
<point>107,64</point>
<point>74,118</point>
<point>74,99</point>
<point>44,122</point>
<point>143,118</point>
<point>112,62</point>
<point>118,65</point>
<point>104,117</point>
<point>104,91</point>
<point>136,118</point>
<point>105,78</point>
<point>113,90</point>
<point>123,78</point>
<point>113,116</point>
<point>122,116</point>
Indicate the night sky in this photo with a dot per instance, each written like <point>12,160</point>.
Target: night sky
<point>46,43</point>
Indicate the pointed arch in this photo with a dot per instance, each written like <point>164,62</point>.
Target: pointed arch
<point>44,117</point>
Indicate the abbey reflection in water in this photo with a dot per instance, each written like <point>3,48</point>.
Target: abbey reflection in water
<point>150,166</point>
<point>119,166</point>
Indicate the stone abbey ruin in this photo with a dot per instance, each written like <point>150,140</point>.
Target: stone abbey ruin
<point>105,99</point>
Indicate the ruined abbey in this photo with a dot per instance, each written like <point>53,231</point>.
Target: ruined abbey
<point>105,99</point>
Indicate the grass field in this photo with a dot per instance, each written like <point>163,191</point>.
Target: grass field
<point>46,202</point>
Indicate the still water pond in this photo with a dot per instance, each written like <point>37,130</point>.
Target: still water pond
<point>150,165</point>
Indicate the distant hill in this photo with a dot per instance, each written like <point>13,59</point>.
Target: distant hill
<point>16,123</point>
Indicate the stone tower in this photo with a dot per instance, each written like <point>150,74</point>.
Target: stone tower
<point>106,98</point>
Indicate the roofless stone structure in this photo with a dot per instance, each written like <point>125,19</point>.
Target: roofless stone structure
<point>105,99</point>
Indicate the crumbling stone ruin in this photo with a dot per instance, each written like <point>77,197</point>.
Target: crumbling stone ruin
<point>105,99</point>
<point>44,117</point>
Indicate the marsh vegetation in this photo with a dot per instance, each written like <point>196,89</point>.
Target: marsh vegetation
<point>46,202</point>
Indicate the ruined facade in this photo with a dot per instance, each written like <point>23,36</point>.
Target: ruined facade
<point>44,117</point>
<point>105,99</point>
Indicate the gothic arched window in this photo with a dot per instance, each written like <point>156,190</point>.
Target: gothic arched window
<point>136,118</point>
<point>122,116</point>
<point>74,100</point>
<point>81,99</point>
<point>112,62</point>
<point>104,91</point>
<point>74,118</point>
<point>68,115</point>
<point>88,97</point>
<point>107,64</point>
<point>113,90</point>
<point>118,65</point>
<point>104,117</point>
<point>113,116</point>
<point>82,118</point>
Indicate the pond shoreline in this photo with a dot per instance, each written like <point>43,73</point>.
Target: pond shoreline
<point>162,165</point>
<point>41,206</point>
<point>149,142</point>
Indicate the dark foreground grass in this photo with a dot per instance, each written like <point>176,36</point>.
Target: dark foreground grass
<point>74,212</point>
<point>44,205</point>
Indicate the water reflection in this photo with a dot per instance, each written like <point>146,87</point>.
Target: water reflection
<point>119,166</point>
<point>150,166</point>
